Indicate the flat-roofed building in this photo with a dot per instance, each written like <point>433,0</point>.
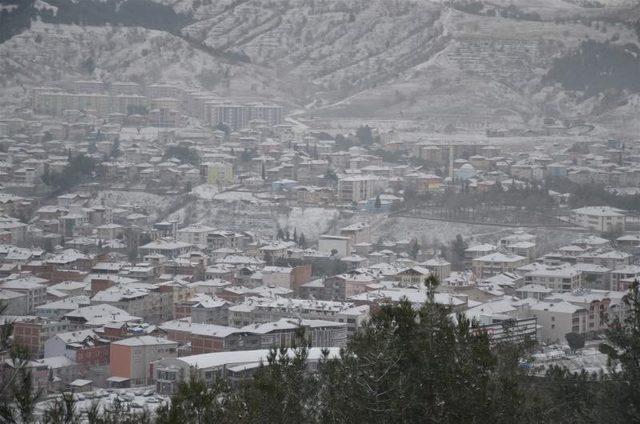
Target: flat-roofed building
<point>130,358</point>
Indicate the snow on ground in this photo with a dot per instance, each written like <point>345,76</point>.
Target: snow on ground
<point>152,203</point>
<point>588,359</point>
<point>235,196</point>
<point>178,215</point>
<point>141,133</point>
<point>205,191</point>
<point>137,399</point>
<point>310,221</point>
<point>435,232</point>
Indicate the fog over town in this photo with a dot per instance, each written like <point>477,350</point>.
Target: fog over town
<point>319,211</point>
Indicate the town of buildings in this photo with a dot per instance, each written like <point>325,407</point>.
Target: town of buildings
<point>170,252</point>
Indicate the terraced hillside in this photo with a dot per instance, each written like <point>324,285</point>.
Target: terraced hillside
<point>457,65</point>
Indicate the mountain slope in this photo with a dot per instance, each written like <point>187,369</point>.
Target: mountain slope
<point>462,64</point>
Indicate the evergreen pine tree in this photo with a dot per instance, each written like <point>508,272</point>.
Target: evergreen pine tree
<point>623,349</point>
<point>378,203</point>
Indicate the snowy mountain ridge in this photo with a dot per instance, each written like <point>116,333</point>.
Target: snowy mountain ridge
<point>446,64</point>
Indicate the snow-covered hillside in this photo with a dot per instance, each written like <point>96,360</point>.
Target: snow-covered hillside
<point>50,52</point>
<point>444,64</point>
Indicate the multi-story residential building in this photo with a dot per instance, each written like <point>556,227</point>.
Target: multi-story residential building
<point>195,235</point>
<point>33,287</point>
<point>219,173</point>
<point>151,302</point>
<point>130,358</point>
<point>156,91</point>
<point>25,176</point>
<point>58,309</point>
<point>599,218</point>
<point>623,277</point>
<point>476,251</point>
<point>85,347</point>
<point>239,115</point>
<point>603,306</point>
<point>168,248</point>
<point>271,114</point>
<point>594,276</point>
<point>110,231</point>
<point>497,263</point>
<point>360,232</point>
<point>610,258</point>
<point>286,331</point>
<point>32,334</point>
<point>55,103</point>
<point>340,245</point>
<point>13,302</point>
<point>413,276</point>
<point>438,267</point>
<point>558,278</point>
<point>203,338</point>
<point>203,309</point>
<point>557,318</point>
<point>357,188</point>
<point>17,230</point>
<point>97,316</point>
<point>206,338</point>
<point>260,310</point>
<point>235,366</point>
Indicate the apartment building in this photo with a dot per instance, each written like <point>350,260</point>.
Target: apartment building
<point>603,306</point>
<point>260,310</point>
<point>13,302</point>
<point>195,235</point>
<point>58,309</point>
<point>556,319</point>
<point>357,188</point>
<point>84,347</point>
<point>219,173</point>
<point>131,358</point>
<point>359,232</point>
<point>33,287</point>
<point>31,334</point>
<point>497,263</point>
<point>623,277</point>
<point>557,278</point>
<point>153,303</point>
<point>599,218</point>
<point>55,103</point>
<point>235,366</point>
<point>341,245</point>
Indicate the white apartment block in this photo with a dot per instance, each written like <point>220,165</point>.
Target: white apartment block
<point>55,103</point>
<point>557,278</point>
<point>556,319</point>
<point>357,188</point>
<point>599,218</point>
<point>194,234</point>
<point>497,263</point>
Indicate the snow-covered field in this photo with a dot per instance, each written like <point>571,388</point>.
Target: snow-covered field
<point>152,203</point>
<point>137,399</point>
<point>205,191</point>
<point>310,221</point>
<point>441,232</point>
